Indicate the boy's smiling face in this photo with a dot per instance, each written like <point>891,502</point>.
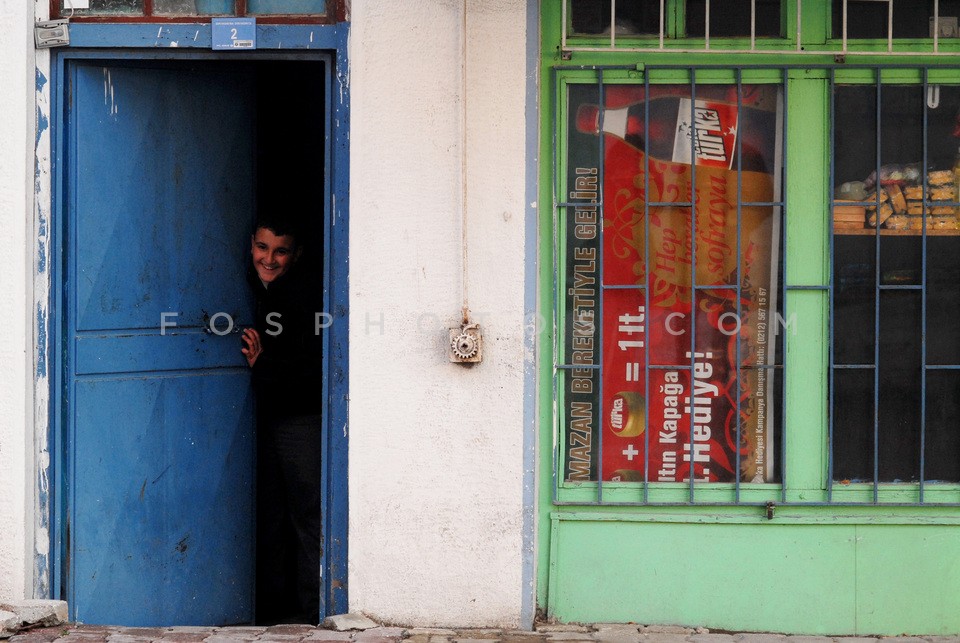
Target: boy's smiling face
<point>272,255</point>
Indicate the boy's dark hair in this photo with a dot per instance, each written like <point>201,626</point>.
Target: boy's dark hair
<point>280,226</point>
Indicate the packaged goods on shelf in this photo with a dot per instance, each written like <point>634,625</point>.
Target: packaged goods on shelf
<point>885,208</point>
<point>897,222</point>
<point>942,193</point>
<point>944,222</point>
<point>848,211</point>
<point>900,197</point>
<point>894,173</point>
<point>940,178</point>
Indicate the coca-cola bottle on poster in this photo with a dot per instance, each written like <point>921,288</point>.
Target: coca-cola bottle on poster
<point>668,134</point>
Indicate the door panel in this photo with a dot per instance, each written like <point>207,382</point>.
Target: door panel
<point>159,486</point>
<point>160,444</point>
<point>163,177</point>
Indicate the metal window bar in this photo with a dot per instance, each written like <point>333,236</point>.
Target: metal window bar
<point>560,206</point>
<point>564,25</point>
<point>693,249</point>
<point>843,38</point>
<point>662,14</point>
<point>889,25</point>
<point>799,34</point>
<point>784,287</point>
<point>936,29</point>
<point>739,289</point>
<point>923,285</point>
<point>934,48</point>
<point>876,304</point>
<point>646,273</point>
<point>601,295</point>
<point>613,27</point>
<point>558,211</point>
<point>831,275</point>
<point>706,28</point>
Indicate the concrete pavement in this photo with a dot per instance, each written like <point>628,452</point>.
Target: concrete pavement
<point>544,633</point>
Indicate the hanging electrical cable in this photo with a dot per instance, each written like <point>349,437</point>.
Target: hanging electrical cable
<point>465,341</point>
<point>464,276</point>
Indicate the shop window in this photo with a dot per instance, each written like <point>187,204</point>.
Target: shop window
<point>121,10</point>
<point>729,18</point>
<point>878,19</point>
<point>669,246</point>
<point>896,290</point>
<point>835,254</point>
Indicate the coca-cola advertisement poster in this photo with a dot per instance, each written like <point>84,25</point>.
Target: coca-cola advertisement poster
<point>665,363</point>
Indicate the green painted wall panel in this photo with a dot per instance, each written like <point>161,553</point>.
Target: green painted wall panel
<point>908,579</point>
<point>740,577</point>
<point>825,579</point>
<point>807,187</point>
<point>806,404</point>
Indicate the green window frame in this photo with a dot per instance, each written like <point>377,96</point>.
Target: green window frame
<point>806,28</point>
<point>807,71</point>
<point>917,292</point>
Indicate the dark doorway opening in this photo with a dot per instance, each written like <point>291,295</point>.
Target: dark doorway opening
<point>290,188</point>
<point>291,110</point>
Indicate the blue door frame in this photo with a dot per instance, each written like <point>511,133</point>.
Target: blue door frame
<point>178,42</point>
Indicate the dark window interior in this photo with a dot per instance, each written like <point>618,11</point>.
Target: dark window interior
<point>728,18</point>
<point>731,18</point>
<point>879,299</point>
<point>633,18</point>
<point>869,19</point>
<point>901,136</point>
<point>899,351</point>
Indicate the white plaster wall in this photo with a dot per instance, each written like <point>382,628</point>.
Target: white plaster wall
<point>16,218</point>
<point>436,448</point>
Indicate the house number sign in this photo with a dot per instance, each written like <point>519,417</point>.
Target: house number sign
<point>234,33</point>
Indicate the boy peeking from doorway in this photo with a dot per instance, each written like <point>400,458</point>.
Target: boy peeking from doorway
<point>283,350</point>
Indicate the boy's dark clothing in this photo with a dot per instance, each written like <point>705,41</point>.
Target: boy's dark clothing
<point>287,374</point>
<point>287,381</point>
<point>288,520</point>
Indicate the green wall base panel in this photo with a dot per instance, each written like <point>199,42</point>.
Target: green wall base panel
<point>826,579</point>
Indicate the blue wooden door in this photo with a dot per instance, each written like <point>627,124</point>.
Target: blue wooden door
<point>159,205</point>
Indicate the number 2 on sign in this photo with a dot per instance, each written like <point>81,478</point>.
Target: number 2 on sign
<point>233,34</point>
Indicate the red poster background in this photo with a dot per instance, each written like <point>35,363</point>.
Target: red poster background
<point>686,422</point>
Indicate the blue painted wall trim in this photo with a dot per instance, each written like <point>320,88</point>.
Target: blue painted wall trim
<point>528,598</point>
<point>198,36</point>
<point>337,298</point>
<point>118,41</point>
<point>56,315</point>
